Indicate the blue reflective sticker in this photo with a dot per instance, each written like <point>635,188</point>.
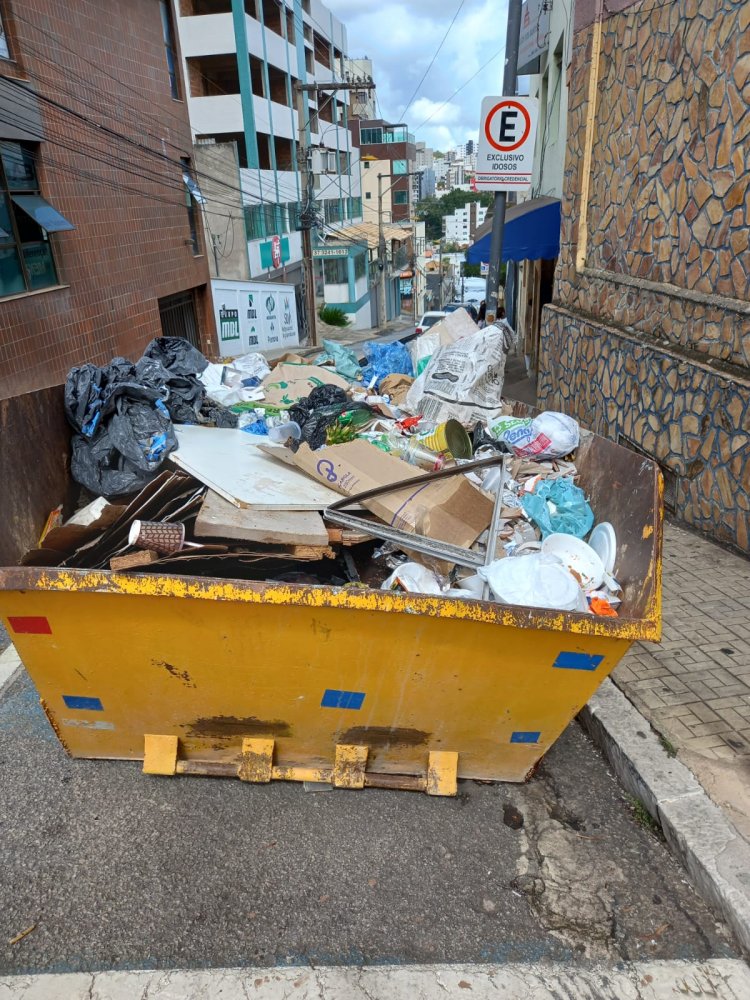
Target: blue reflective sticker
<point>78,701</point>
<point>521,737</point>
<point>342,699</point>
<point>577,661</point>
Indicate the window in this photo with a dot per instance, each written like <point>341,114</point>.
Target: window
<point>370,136</point>
<point>4,49</point>
<point>193,197</point>
<point>400,197</point>
<point>400,167</point>
<point>26,259</point>
<point>335,271</point>
<point>170,48</point>
<point>260,221</point>
<point>368,195</point>
<point>366,164</point>
<point>332,210</point>
<point>360,266</point>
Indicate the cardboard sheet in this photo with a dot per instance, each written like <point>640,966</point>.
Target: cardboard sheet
<point>452,510</point>
<point>288,383</point>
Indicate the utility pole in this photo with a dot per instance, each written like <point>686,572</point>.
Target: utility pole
<point>382,315</point>
<point>307,190</point>
<point>440,276</point>
<point>512,37</point>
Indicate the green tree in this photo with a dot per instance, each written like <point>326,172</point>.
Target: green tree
<point>432,210</point>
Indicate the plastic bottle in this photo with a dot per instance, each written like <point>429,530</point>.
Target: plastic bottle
<point>415,453</point>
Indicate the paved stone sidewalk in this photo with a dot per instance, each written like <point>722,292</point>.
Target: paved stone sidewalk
<point>694,686</point>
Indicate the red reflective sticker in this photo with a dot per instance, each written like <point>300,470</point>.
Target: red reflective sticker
<point>30,626</point>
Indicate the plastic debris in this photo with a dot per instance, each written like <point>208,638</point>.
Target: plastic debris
<point>384,360</point>
<point>559,506</point>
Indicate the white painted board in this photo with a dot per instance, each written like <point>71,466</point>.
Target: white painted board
<point>231,464</point>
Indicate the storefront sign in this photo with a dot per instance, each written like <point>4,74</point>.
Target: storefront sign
<point>254,316</point>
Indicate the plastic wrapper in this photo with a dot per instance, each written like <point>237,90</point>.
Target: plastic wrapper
<point>414,578</point>
<point>549,435</point>
<point>559,506</point>
<point>384,360</point>
<point>345,361</point>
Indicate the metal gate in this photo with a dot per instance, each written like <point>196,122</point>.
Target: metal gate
<point>178,319</point>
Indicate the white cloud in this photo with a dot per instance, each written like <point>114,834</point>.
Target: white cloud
<point>401,39</point>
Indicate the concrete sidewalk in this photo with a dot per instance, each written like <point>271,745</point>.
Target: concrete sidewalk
<point>694,686</point>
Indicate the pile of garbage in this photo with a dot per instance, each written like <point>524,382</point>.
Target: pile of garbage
<point>409,472</point>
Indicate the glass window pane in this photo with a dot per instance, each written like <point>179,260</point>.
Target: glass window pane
<point>400,166</point>
<point>336,271</point>
<point>39,264</point>
<point>4,50</point>
<point>6,229</point>
<point>400,197</point>
<point>19,167</point>
<point>11,275</point>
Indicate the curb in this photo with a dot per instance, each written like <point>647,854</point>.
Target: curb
<point>722,979</point>
<point>715,855</point>
<point>10,661</point>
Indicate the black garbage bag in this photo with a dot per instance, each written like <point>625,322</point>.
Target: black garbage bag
<point>319,411</point>
<point>217,415</point>
<point>178,356</point>
<point>128,450</point>
<point>123,414</point>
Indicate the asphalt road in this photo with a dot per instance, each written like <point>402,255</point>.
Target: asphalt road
<point>117,870</point>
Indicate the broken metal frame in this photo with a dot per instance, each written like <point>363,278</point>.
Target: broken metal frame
<point>413,541</point>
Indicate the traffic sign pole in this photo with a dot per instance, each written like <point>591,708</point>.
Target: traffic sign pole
<point>512,36</point>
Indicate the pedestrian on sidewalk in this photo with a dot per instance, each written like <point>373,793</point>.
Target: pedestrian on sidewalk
<point>481,315</point>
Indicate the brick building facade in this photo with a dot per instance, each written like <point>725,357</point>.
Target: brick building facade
<point>648,336</point>
<point>92,121</point>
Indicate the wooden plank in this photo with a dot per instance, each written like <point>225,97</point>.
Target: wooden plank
<point>220,519</point>
<point>133,560</point>
<point>228,462</point>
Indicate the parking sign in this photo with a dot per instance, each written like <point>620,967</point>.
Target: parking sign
<point>507,133</point>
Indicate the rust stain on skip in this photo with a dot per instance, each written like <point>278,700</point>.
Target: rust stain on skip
<point>181,675</point>
<point>384,737</point>
<point>231,727</point>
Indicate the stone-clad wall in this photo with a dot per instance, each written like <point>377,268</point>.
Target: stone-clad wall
<point>694,421</point>
<point>651,340</point>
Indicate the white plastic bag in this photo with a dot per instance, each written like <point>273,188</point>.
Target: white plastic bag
<point>550,435</point>
<point>536,581</point>
<point>414,578</point>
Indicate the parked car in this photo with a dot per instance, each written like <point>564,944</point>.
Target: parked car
<point>470,309</point>
<point>430,319</point>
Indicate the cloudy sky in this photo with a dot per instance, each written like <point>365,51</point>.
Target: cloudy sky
<point>401,37</point>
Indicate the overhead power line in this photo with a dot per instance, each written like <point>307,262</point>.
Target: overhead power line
<point>432,61</point>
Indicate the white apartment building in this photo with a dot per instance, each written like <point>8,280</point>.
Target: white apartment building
<point>362,103</point>
<point>463,223</point>
<point>242,59</point>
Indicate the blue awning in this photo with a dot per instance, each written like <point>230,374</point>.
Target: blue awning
<point>532,232</point>
<point>42,213</point>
